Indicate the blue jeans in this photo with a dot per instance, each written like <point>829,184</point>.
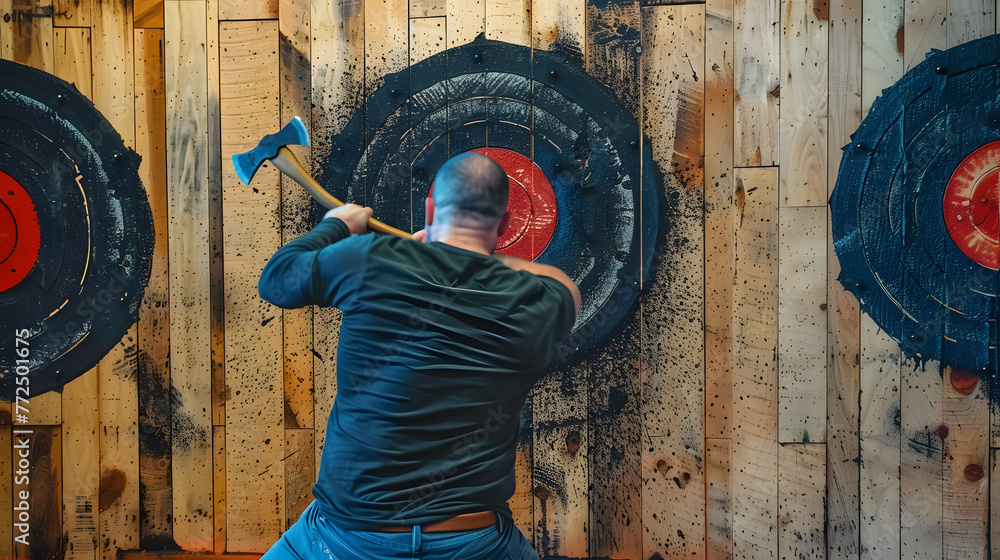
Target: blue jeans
<point>313,537</point>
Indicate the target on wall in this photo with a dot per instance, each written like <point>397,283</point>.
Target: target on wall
<point>581,184</point>
<point>76,236</point>
<point>915,208</point>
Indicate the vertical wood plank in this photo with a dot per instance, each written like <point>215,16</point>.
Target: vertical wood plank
<point>613,43</point>
<point>300,472</point>
<point>673,385</point>
<point>72,58</point>
<point>843,315</point>
<point>113,75</point>
<point>615,393</point>
<point>966,490</point>
<point>231,10</point>
<point>755,373</point>
<point>72,13</point>
<point>156,525</point>
<point>254,412</point>
<point>926,28</point>
<point>719,220</point>
<point>216,276</point>
<point>565,24</point>
<point>217,295</point>
<point>881,56</point>
<point>190,334</point>
<point>6,28</point>
<point>466,20</point>
<point>994,479</point>
<point>921,461</point>
<point>509,21</point>
<point>219,486</point>
<point>7,467</point>
<point>801,500</point>
<point>561,26</point>
<point>41,446</point>
<point>81,466</point>
<point>879,443</point>
<point>337,66</point>
<point>29,39</point>
<point>296,205</point>
<point>427,37</point>
<point>80,403</point>
<point>80,398</point>
<point>802,324</point>
<point>969,20</point>
<point>560,448</point>
<point>119,521</point>
<point>756,68</point>
<point>386,52</point>
<point>718,476</point>
<point>297,324</point>
<point>803,100</point>
<point>386,44</point>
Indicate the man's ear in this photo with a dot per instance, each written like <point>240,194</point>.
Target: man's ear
<point>428,211</point>
<point>504,222</point>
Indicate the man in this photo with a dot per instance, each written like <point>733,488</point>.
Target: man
<point>439,345</point>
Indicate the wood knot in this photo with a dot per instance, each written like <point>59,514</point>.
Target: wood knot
<point>964,381</point>
<point>542,493</point>
<point>974,472</point>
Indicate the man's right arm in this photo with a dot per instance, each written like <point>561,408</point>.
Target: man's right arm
<point>543,270</point>
<point>293,276</point>
<point>290,276</point>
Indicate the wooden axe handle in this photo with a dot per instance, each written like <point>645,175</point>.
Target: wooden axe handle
<point>287,163</point>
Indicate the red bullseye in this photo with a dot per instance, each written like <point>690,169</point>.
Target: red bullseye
<point>20,236</point>
<point>970,203</point>
<point>532,205</point>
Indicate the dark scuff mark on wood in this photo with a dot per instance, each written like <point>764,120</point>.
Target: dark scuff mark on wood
<point>113,483</point>
<point>741,198</point>
<point>821,9</point>
<point>688,160</point>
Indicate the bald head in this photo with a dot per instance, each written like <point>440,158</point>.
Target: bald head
<point>471,188</point>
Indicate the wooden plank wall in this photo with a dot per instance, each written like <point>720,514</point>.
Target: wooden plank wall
<point>757,413</point>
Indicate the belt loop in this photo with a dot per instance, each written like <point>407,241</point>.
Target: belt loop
<point>499,523</point>
<point>415,541</point>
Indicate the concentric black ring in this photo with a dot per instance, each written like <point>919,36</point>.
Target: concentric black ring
<point>537,103</point>
<point>96,232</point>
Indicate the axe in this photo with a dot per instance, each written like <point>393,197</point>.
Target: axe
<point>272,147</point>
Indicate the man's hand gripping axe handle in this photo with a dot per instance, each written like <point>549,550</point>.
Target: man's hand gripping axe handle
<point>272,147</point>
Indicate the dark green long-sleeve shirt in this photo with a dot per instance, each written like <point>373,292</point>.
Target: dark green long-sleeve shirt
<point>437,351</point>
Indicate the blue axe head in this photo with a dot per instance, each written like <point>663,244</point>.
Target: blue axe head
<point>247,163</point>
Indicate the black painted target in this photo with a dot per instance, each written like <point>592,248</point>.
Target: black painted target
<point>76,236</point>
<point>564,138</point>
<point>915,208</point>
